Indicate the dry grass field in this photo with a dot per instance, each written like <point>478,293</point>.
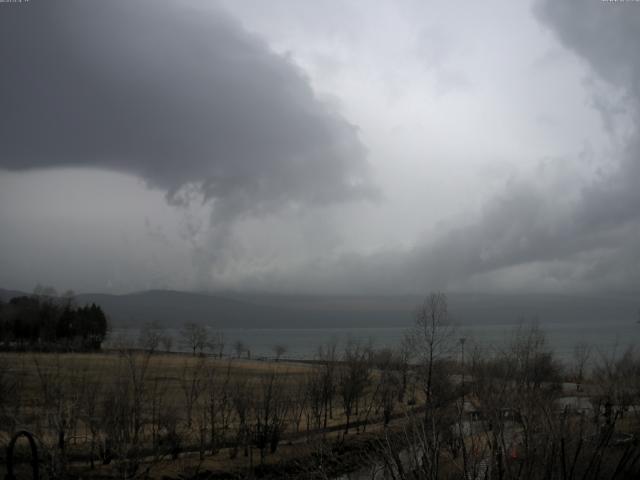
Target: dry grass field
<point>109,367</point>
<point>134,413</point>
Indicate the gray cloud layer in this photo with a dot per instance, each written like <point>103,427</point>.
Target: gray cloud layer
<point>183,98</point>
<point>189,101</point>
<point>574,239</point>
<point>550,229</point>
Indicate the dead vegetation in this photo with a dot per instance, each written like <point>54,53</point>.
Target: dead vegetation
<point>422,411</point>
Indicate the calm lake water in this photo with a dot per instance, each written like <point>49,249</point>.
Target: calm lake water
<point>303,343</point>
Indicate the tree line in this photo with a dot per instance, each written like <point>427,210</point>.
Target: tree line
<point>46,323</point>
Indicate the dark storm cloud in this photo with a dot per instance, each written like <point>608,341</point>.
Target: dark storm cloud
<point>184,98</point>
<point>606,35</point>
<point>529,223</point>
<point>190,102</point>
<point>563,230</point>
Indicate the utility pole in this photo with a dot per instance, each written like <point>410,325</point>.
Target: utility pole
<point>464,447</point>
<point>462,340</point>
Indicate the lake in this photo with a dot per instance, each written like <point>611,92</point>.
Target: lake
<point>604,337</point>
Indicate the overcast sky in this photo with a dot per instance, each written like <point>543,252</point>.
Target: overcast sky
<point>320,147</point>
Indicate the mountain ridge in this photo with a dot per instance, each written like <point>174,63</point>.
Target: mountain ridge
<point>173,308</point>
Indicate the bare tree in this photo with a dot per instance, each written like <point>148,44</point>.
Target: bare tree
<point>299,402</point>
<point>270,410</point>
<point>516,388</point>
<point>404,355</point>
<point>211,414</point>
<point>315,394</point>
<point>432,337</point>
<point>61,388</point>
<point>191,384</point>
<point>167,342</point>
<point>10,389</point>
<point>328,358</point>
<point>220,398</point>
<point>89,413</point>
<point>388,385</point>
<point>581,356</point>
<point>195,337</point>
<point>158,404</point>
<point>217,343</point>
<point>124,412</point>
<point>279,350</point>
<point>354,376</point>
<point>519,433</point>
<point>150,337</point>
<point>242,402</point>
<point>239,347</point>
<point>616,377</point>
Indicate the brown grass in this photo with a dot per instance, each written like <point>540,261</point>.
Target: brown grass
<point>107,368</point>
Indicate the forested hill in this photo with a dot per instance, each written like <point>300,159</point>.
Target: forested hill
<point>232,310</point>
